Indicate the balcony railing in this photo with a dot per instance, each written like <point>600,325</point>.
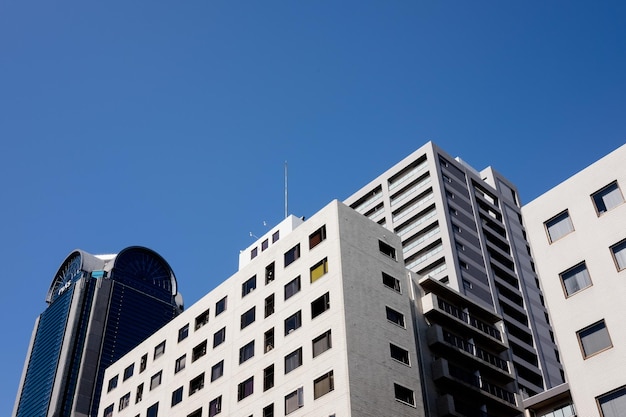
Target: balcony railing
<point>478,382</point>
<point>472,321</point>
<point>475,350</point>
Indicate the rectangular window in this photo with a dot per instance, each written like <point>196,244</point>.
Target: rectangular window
<point>202,319</point>
<point>292,287</point>
<point>128,372</point>
<point>155,381</point>
<point>269,305</point>
<point>220,306</point>
<point>293,360</point>
<point>322,343</point>
<point>399,354</point>
<point>323,385</point>
<point>253,253</point>
<point>268,377</point>
<point>317,236</point>
<point>319,305</point>
<point>198,351</point>
<point>387,249</point>
<point>265,244</point>
<point>219,337</point>
<point>245,389</point>
<point>124,401</point>
<point>395,316</point>
<point>294,400</point>
<point>319,270</point>
<point>183,332</point>
<point>275,236</point>
<point>559,226</point>
<point>269,273</point>
<point>248,286</point>
<point>217,370</point>
<point>613,403</point>
<point>177,396</point>
<point>196,384</point>
<point>159,349</point>
<point>139,393</point>
<point>575,279</point>
<point>248,318</point>
<point>197,413</point>
<point>143,363</point>
<point>391,282</point>
<point>292,254</point>
<point>293,322</point>
<point>153,410</point>
<point>607,198</point>
<point>268,340</point>
<point>246,352</point>
<point>108,412</point>
<point>215,406</point>
<point>594,339</point>
<point>268,411</point>
<point>619,254</point>
<point>112,383</point>
<point>180,364</point>
<point>404,395</point>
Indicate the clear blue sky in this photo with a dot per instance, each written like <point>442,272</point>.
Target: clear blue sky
<point>167,123</point>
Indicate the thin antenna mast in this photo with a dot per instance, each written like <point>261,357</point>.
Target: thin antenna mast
<point>286,207</point>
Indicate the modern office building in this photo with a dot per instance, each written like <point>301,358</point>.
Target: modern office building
<point>578,238</point>
<point>318,321</point>
<point>99,308</point>
<point>462,231</point>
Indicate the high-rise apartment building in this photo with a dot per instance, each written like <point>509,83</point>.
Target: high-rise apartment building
<point>578,239</point>
<point>99,308</point>
<point>463,229</point>
<point>318,321</point>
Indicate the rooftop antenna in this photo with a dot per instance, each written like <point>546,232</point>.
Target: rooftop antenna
<point>286,207</point>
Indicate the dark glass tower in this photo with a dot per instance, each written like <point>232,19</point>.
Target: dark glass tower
<point>99,308</point>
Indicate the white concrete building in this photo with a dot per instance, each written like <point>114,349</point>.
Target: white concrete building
<point>578,237</point>
<point>318,321</point>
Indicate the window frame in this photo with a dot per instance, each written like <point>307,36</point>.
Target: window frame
<point>293,360</point>
<point>183,333</point>
<point>246,352</point>
<point>248,318</point>
<point>221,305</point>
<point>404,358</point>
<point>317,341</point>
<point>155,380</point>
<point>219,337</point>
<point>391,282</point>
<point>320,305</point>
<point>387,250</point>
<point>594,329</point>
<point>199,351</point>
<point>297,319</point>
<point>598,198</point>
<point>292,288</point>
<point>317,237</point>
<point>396,394</point>
<point>248,286</point>
<point>392,313</point>
<point>319,380</point>
<point>619,392</point>
<point>292,255</point>
<point>217,370</point>
<point>318,270</point>
<point>555,220</point>
<point>299,395</point>
<point>202,319</point>
<point>196,384</point>
<point>177,395</point>
<point>576,274</point>
<point>180,363</point>
<point>243,387</point>
<point>159,350</point>
<point>618,252</point>
<point>215,406</point>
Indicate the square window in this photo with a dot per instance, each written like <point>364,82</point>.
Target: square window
<point>202,319</point>
<point>594,339</point>
<point>319,305</point>
<point>112,383</point>
<point>248,286</point>
<point>575,279</point>
<point>108,412</point>
<point>619,254</point>
<point>246,352</point>
<point>197,413</point>
<point>268,340</point>
<point>294,400</point>
<point>124,401</point>
<point>155,381</point>
<point>613,403</point>
<point>292,287</point>
<point>319,269</point>
<point>293,360</point>
<point>269,305</point>
<point>177,396</point>
<point>198,351</point>
<point>159,349</point>
<point>268,411</point>
<point>391,282</point>
<point>220,306</point>
<point>387,249</point>
<point>245,389</point>
<point>275,236</point>
<point>139,393</point>
<point>196,384</point>
<point>607,198</point>
<point>217,370</point>
<point>153,410</point>
<point>183,332</point>
<point>215,406</point>
<point>292,254</point>
<point>143,363</point>
<point>399,354</point>
<point>559,226</point>
<point>322,343</point>
<point>404,395</point>
<point>219,337</point>
<point>269,273</point>
<point>293,322</point>
<point>128,372</point>
<point>323,385</point>
<point>265,244</point>
<point>268,377</point>
<point>316,237</point>
<point>395,316</point>
<point>248,318</point>
<point>180,364</point>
